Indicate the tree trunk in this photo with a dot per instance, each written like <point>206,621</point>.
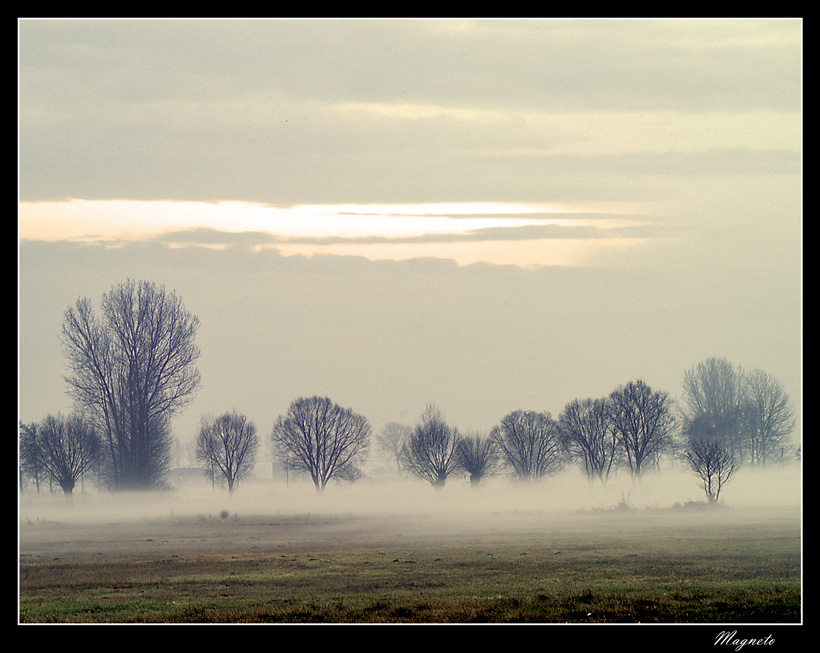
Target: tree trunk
<point>68,491</point>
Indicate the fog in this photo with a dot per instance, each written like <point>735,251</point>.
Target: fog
<point>567,495</point>
<point>666,162</point>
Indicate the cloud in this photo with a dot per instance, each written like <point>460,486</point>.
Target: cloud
<point>204,236</point>
<point>339,111</point>
<point>502,234</point>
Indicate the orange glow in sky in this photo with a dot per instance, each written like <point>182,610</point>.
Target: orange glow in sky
<point>121,220</point>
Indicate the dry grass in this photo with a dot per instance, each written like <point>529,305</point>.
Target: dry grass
<point>629,566</point>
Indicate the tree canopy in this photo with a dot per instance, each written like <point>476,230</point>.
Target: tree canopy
<point>529,444</point>
<point>643,422</point>
<point>431,452</point>
<point>131,369</point>
<point>227,446</point>
<point>322,439</point>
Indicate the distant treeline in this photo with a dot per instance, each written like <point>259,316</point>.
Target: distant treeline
<point>133,366</point>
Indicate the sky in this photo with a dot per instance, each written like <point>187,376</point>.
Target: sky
<point>486,215</point>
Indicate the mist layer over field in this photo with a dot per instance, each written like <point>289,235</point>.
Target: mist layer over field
<point>566,494</point>
<point>399,550</point>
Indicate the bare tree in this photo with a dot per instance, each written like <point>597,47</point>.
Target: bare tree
<point>131,370</point>
<point>31,464</point>
<point>529,443</point>
<point>227,445</point>
<point>643,422</point>
<point>392,439</point>
<point>322,439</point>
<point>768,419</point>
<point>714,390</point>
<point>478,456</point>
<point>709,456</point>
<point>431,451</point>
<point>588,434</point>
<point>68,448</point>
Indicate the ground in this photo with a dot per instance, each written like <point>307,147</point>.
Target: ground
<point>117,560</point>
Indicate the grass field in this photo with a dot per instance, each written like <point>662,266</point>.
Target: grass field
<point>615,566</point>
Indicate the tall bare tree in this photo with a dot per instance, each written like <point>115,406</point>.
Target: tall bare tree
<point>713,390</point>
<point>431,451</point>
<point>529,443</point>
<point>322,439</point>
<point>227,446</point>
<point>131,369</point>
<point>643,422</point>
<point>768,419</point>
<point>588,434</point>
